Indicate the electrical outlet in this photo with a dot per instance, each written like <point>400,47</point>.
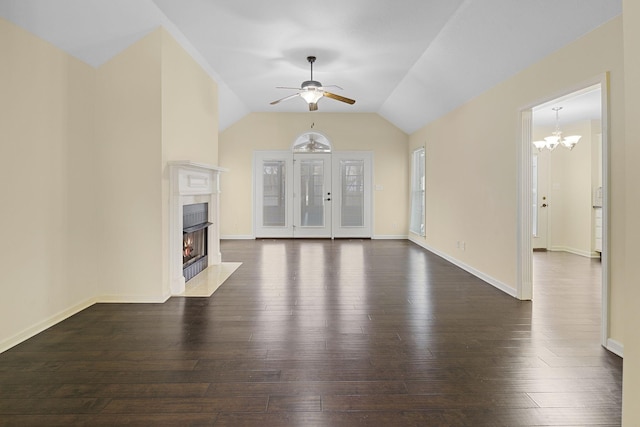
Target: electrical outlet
<point>463,245</point>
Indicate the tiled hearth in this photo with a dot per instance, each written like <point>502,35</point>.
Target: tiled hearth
<point>206,283</point>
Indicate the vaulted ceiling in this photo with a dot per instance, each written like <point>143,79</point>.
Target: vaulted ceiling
<point>411,61</point>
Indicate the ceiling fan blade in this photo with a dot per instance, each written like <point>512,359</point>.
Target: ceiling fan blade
<point>339,98</point>
<point>285,98</point>
<point>336,86</point>
<point>313,106</point>
<point>290,88</point>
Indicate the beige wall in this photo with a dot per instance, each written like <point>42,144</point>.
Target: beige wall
<point>87,150</point>
<point>155,104</point>
<point>631,379</point>
<point>189,123</point>
<point>189,107</point>
<point>277,131</point>
<point>128,142</point>
<point>47,216</point>
<point>472,162</point>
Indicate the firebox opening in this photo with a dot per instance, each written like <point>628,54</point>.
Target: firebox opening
<point>194,245</point>
<point>194,239</point>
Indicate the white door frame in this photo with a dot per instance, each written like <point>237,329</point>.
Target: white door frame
<point>524,285</point>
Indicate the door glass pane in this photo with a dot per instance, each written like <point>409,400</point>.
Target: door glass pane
<point>311,193</point>
<point>274,193</point>
<point>352,183</point>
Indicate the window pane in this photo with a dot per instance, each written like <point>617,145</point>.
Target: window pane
<point>273,193</point>
<point>352,182</point>
<point>311,193</point>
<point>417,193</point>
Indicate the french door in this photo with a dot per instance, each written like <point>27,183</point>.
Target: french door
<point>312,195</point>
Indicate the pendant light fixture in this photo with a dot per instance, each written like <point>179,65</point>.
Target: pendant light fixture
<point>556,138</point>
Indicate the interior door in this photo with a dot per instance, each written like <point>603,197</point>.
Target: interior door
<point>540,202</point>
<point>312,195</point>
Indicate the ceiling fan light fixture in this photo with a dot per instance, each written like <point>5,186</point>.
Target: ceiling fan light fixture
<point>312,91</point>
<point>311,95</point>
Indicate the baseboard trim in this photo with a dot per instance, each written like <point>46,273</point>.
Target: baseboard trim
<point>479,274</point>
<point>65,314</point>
<point>45,324</point>
<point>615,347</point>
<point>376,237</point>
<point>131,299</point>
<point>575,251</point>
<point>390,237</point>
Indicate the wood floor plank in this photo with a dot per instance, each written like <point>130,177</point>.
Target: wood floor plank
<point>329,332</point>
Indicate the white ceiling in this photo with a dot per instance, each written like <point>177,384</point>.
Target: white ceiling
<point>411,61</point>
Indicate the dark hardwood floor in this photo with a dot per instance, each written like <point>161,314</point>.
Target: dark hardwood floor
<point>329,333</point>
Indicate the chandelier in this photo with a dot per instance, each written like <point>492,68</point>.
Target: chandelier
<point>556,138</point>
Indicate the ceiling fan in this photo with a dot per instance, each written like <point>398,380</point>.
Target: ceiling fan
<point>312,90</point>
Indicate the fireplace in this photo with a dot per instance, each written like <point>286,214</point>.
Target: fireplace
<point>194,221</point>
<point>194,239</point>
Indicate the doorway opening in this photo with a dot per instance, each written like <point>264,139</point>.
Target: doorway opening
<point>563,193</point>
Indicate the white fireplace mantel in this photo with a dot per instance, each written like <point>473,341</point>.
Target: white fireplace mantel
<point>192,182</point>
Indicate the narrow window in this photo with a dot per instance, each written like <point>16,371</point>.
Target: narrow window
<point>417,192</point>
<point>534,193</point>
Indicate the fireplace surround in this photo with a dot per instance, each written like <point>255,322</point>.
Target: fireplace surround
<point>193,184</point>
